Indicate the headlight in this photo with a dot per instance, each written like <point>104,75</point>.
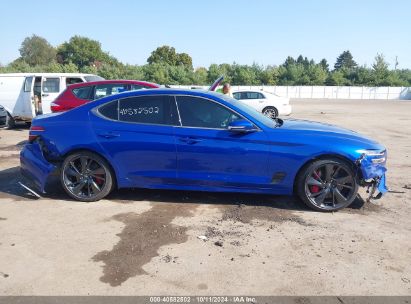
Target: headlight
<point>376,156</point>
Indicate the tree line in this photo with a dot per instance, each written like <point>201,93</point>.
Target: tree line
<point>166,66</point>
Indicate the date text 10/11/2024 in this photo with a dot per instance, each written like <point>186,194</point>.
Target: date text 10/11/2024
<point>203,299</point>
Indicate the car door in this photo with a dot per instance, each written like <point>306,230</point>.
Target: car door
<point>254,99</point>
<point>50,89</point>
<point>209,155</point>
<point>137,134</point>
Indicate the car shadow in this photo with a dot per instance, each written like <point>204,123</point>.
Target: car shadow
<point>10,187</point>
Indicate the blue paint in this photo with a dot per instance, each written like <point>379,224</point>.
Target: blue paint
<point>190,158</point>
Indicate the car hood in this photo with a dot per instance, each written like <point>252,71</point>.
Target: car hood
<point>318,129</point>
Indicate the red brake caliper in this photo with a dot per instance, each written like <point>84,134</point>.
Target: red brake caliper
<point>315,188</point>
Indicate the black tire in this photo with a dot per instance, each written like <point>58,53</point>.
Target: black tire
<point>10,123</point>
<point>270,112</point>
<point>86,176</point>
<point>327,185</point>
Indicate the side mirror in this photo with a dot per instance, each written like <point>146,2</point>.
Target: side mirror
<point>241,126</point>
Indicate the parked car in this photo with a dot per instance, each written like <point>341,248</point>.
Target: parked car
<point>270,105</point>
<point>3,116</point>
<point>81,93</point>
<point>198,140</point>
<point>26,95</point>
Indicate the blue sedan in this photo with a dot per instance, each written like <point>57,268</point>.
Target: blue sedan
<point>198,140</point>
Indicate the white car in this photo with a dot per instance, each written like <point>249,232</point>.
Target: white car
<point>269,104</point>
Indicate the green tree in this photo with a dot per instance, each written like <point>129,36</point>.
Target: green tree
<point>83,51</point>
<point>345,60</point>
<point>324,64</point>
<point>167,55</point>
<point>216,70</point>
<point>199,76</point>
<point>380,71</point>
<point>337,78</point>
<point>36,50</point>
<point>269,76</point>
<point>185,60</point>
<point>289,61</point>
<point>163,54</point>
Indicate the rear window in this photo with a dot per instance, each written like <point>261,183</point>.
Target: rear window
<point>110,110</point>
<point>109,89</point>
<point>91,78</point>
<point>73,80</point>
<point>158,110</point>
<point>85,93</point>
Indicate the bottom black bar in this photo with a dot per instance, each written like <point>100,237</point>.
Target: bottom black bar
<point>204,299</point>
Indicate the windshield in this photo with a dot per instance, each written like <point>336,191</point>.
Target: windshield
<point>250,111</point>
<point>91,78</point>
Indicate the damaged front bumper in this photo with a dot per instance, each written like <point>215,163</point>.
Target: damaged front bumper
<point>35,167</point>
<point>372,166</point>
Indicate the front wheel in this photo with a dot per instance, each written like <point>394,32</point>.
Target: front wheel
<point>86,177</point>
<point>327,185</point>
<point>270,112</point>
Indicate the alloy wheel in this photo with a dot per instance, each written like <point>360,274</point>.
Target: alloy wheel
<point>84,177</point>
<point>330,186</point>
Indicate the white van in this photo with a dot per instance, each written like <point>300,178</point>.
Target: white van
<point>26,95</point>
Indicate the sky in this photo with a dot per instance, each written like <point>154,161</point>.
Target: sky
<point>224,31</point>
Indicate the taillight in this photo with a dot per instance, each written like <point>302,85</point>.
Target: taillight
<point>54,107</point>
<point>34,132</point>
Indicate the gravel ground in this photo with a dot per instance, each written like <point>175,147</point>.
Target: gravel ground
<point>143,242</point>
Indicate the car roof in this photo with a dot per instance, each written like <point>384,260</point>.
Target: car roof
<point>139,82</point>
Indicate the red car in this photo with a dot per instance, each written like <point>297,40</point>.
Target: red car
<point>80,93</point>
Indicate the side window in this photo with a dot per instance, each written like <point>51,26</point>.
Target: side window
<point>252,95</point>
<point>27,84</point>
<point>203,113</point>
<point>137,87</point>
<point>110,110</point>
<point>51,85</point>
<point>236,95</point>
<point>72,80</point>
<point>109,89</point>
<point>85,93</point>
<point>260,96</point>
<point>158,110</point>
<point>244,95</point>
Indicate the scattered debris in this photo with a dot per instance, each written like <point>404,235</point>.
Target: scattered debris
<point>202,237</point>
<point>235,243</point>
<point>30,190</point>
<point>213,232</point>
<point>4,275</point>
<point>168,258</point>
<point>218,243</point>
<point>405,280</point>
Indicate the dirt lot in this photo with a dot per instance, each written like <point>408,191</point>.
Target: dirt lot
<point>141,242</point>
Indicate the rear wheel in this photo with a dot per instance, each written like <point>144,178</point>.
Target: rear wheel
<point>327,185</point>
<point>86,177</point>
<point>270,112</point>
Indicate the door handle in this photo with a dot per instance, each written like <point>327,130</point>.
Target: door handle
<point>190,140</point>
<point>109,135</point>
<point>44,95</point>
